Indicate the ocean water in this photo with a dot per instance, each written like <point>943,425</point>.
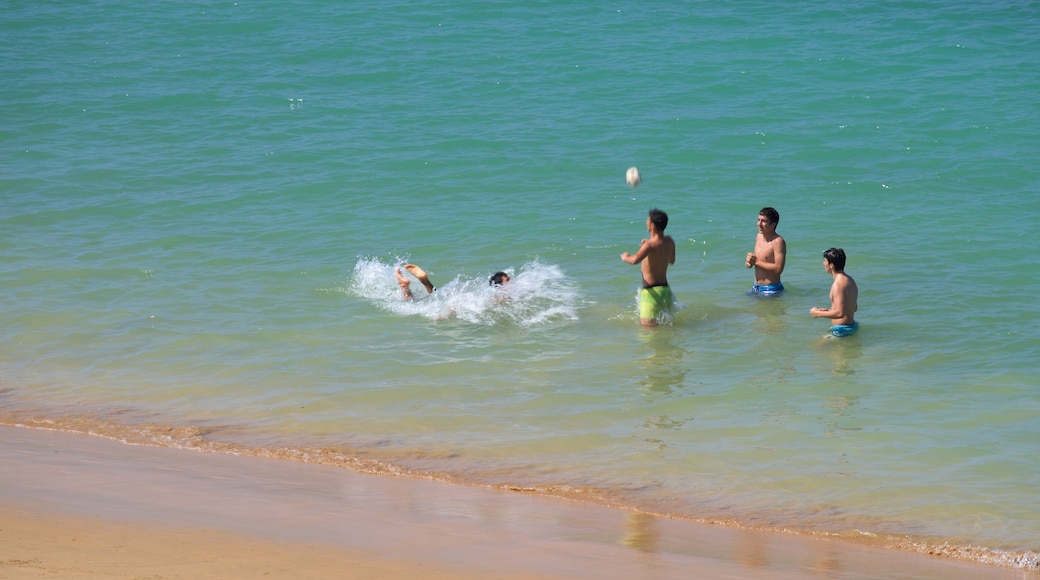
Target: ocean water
<point>202,206</point>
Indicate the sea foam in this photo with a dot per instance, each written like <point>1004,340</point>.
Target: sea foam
<point>536,294</point>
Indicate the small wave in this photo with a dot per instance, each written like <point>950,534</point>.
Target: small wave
<point>537,294</point>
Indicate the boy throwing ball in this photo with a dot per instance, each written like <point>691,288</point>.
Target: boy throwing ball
<point>655,254</point>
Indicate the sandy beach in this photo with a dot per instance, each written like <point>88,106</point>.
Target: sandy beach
<point>80,506</point>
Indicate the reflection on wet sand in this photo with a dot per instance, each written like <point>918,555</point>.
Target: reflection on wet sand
<point>641,532</point>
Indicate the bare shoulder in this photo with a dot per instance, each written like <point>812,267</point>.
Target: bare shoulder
<point>660,242</point>
<point>844,281</point>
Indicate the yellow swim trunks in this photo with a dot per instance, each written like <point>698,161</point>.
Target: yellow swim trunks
<point>655,301</point>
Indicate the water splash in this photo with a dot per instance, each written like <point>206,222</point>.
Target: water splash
<point>537,294</point>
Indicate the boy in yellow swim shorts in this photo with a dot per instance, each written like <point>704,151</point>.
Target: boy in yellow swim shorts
<point>655,255</point>
<point>654,302</point>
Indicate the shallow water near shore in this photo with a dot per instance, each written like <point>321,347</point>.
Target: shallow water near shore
<point>186,499</point>
<point>201,207</point>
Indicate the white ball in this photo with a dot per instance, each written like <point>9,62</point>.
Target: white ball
<point>632,176</point>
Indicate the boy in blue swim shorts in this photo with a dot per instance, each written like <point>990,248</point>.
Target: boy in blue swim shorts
<point>770,255</point>
<point>844,296</point>
<point>655,255</point>
<point>840,330</point>
<point>767,289</point>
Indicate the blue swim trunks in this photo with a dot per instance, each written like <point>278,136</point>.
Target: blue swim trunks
<point>767,289</point>
<point>845,329</point>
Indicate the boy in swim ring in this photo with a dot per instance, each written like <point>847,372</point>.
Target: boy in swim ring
<point>655,254</point>
<point>770,255</point>
<point>497,279</point>
<point>844,295</point>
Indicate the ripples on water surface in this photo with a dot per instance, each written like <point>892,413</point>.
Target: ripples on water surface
<point>202,207</point>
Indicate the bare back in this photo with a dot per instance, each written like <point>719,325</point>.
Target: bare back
<point>654,256</point>
<point>659,254</point>
<point>844,298</point>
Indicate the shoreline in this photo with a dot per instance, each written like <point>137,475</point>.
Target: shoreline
<point>137,430</point>
<point>223,504</point>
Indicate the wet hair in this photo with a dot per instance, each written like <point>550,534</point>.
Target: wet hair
<point>772,216</point>
<point>659,219</point>
<point>497,279</point>
<point>836,256</point>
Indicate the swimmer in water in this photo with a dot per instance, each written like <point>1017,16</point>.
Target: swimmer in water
<point>770,255</point>
<point>844,296</point>
<point>497,279</point>
<point>655,254</point>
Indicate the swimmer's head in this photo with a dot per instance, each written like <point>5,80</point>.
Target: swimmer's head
<point>836,257</point>
<point>772,216</point>
<point>659,219</point>
<point>498,279</point>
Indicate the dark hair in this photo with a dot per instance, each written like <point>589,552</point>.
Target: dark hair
<point>659,219</point>
<point>771,215</point>
<point>497,279</point>
<point>836,256</point>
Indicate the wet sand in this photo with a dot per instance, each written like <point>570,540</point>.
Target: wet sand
<point>79,506</point>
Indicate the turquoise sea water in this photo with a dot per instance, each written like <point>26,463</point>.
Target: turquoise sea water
<point>202,204</point>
